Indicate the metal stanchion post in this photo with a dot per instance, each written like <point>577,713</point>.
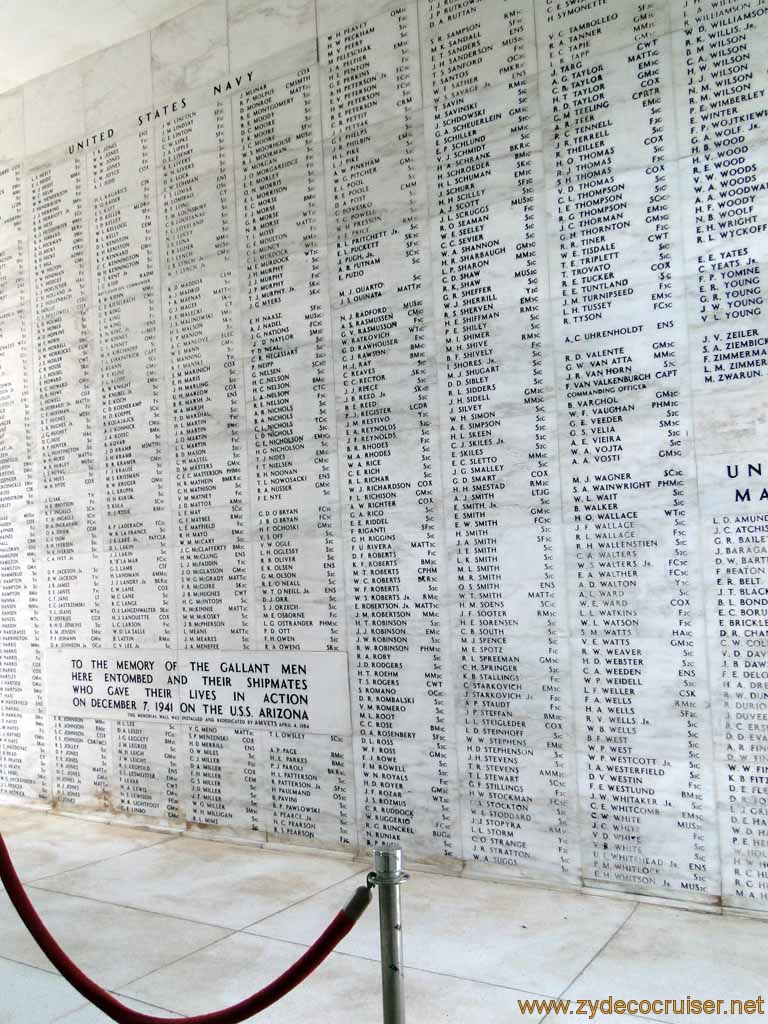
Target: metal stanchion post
<point>388,864</point>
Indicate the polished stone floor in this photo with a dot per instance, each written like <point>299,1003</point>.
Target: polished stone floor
<point>177,925</point>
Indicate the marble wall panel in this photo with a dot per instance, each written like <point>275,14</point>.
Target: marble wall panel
<point>426,343</point>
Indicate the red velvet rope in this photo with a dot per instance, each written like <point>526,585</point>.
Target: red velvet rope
<point>312,958</point>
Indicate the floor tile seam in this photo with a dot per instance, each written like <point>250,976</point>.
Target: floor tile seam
<point>298,902</point>
<point>599,951</point>
<point>121,989</point>
<point>177,917</point>
<point>33,967</point>
<point>455,977</point>
<point>409,967</point>
<point>114,992</point>
<point>141,977</point>
<point>102,860</point>
<point>116,987</point>
<point>139,910</point>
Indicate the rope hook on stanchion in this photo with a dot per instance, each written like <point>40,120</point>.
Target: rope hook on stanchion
<point>388,877</point>
<point>340,926</point>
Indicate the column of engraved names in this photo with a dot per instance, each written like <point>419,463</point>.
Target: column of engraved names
<point>126,290</point>
<point>147,768</point>
<point>384,359</point>
<point>199,309</point>
<point>500,417</point>
<point>198,250</point>
<point>620,338</point>
<point>725,112</point>
<point>23,761</point>
<point>291,428</point>
<point>127,325</point>
<point>64,363</point>
<point>290,380</point>
<point>194,138</point>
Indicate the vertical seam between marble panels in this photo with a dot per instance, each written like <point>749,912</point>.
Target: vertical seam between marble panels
<point>570,619</point>
<point>701,589</point>
<point>451,643</point>
<point>97,466</point>
<point>167,433</point>
<point>98,469</point>
<point>169,425</point>
<point>169,438</point>
<point>229,68</point>
<point>599,951</point>
<point>26,214</point>
<point>333,419</point>
<point>42,569</point>
<point>246,443</point>
<point>345,531</point>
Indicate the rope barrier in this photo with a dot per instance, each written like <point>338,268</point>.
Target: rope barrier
<point>340,926</point>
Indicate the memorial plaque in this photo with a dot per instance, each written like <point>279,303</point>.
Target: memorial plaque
<point>268,734</point>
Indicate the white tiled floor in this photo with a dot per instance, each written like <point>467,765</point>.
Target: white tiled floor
<point>177,925</point>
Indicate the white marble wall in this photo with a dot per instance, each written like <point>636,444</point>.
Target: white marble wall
<point>416,352</point>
